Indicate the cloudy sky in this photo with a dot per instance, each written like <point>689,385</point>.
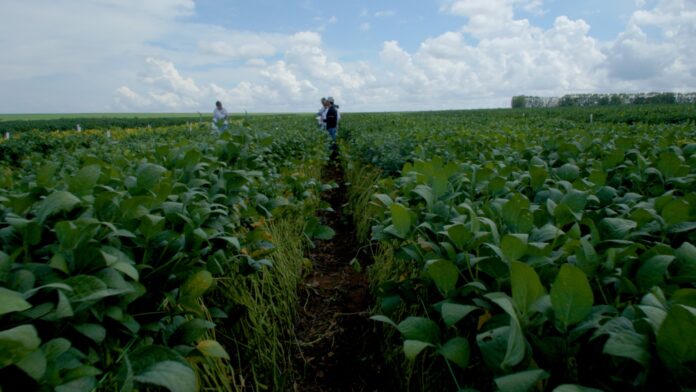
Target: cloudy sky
<point>274,55</point>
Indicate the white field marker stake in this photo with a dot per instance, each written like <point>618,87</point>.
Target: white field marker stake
<point>7,136</point>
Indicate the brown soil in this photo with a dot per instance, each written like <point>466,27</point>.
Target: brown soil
<point>337,349</point>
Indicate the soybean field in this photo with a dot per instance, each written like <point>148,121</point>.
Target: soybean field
<point>481,250</point>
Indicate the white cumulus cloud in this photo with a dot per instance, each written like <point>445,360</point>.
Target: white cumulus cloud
<point>156,56</point>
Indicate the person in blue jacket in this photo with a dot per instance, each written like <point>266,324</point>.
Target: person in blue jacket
<point>332,119</point>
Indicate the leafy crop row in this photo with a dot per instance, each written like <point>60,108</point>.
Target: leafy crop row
<point>111,250</point>
<point>533,253</point>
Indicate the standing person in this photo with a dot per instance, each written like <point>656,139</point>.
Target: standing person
<point>321,114</point>
<point>331,119</point>
<point>338,116</point>
<point>220,113</point>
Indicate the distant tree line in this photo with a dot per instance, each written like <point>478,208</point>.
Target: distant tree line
<point>587,100</point>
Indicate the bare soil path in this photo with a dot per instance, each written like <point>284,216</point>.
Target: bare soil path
<point>336,348</point>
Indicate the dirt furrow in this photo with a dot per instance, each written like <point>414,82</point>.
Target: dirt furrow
<point>336,349</point>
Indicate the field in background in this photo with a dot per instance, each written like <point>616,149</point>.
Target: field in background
<point>510,249</point>
<point>56,116</point>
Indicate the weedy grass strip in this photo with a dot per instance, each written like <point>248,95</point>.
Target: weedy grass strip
<point>268,300</point>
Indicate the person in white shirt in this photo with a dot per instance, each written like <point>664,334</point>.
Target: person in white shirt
<point>321,115</point>
<point>219,114</point>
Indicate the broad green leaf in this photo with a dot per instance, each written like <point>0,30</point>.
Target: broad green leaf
<point>88,288</point>
<point>654,316</point>
<point>445,275</point>
<point>575,200</point>
<point>616,228</point>
<point>670,164</point>
<point>546,233</point>
<point>197,284</point>
<point>93,331</point>
<point>453,313</point>
<point>568,172</point>
<point>12,301</point>
<point>127,268</point>
<point>683,227</point>
<point>64,308</point>
<point>34,365</point>
<point>630,345</point>
<point>571,296</point>
<point>83,384</point>
<point>82,371</point>
<point>384,319</point>
<point>686,263</point>
<point>162,366</point>
<point>516,344</point>
<point>30,230</point>
<point>72,234</point>
<point>172,375</point>
<point>496,185</point>
<point>118,260</point>
<point>526,286</point>
<point>355,264</point>
<point>459,234</point>
<point>5,267</point>
<point>16,343</point>
<point>676,211</point>
<point>84,180</point>
<point>413,347</point>
<point>504,301</point>
<point>151,225</point>
<point>514,246</point>
<point>456,350</point>
<point>419,328</point>
<point>324,232</point>
<point>190,331</point>
<point>563,215</point>
<point>385,199</point>
<point>687,253</point>
<point>54,203</point>
<point>653,270</point>
<point>149,175</point>
<point>426,193</point>
<point>211,348</point>
<point>587,259</point>
<point>493,345</point>
<point>598,177</point>
<point>55,348</point>
<point>401,218</point>
<point>191,158</point>
<point>684,297</point>
<point>606,195</point>
<point>538,175</point>
<point>516,213</point>
<point>439,182</point>
<point>676,341</point>
<point>520,382</point>
<point>390,304</point>
<point>46,174</point>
